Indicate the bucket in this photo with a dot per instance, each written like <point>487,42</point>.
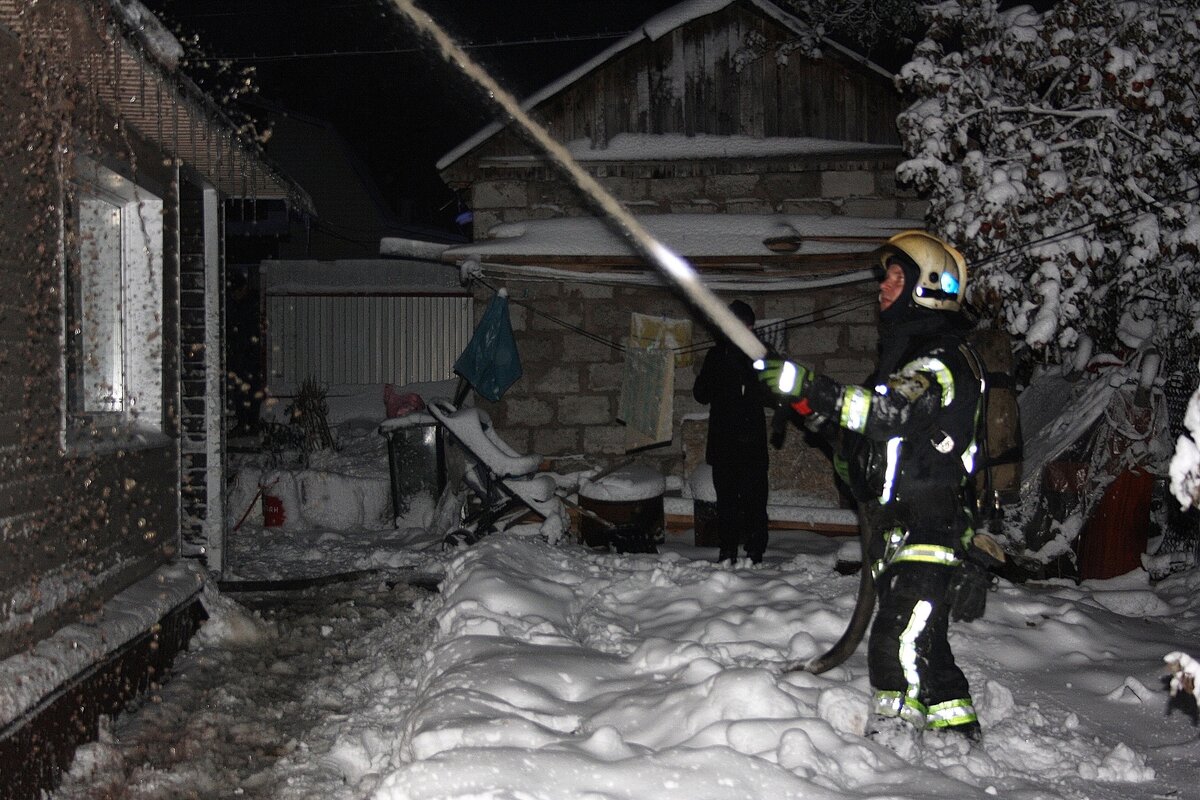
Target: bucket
<point>273,513</point>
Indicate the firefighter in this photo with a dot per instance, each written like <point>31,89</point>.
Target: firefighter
<point>905,444</point>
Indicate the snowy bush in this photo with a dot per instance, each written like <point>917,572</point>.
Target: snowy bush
<point>1185,465</point>
<point>1059,149</point>
<point>1184,671</point>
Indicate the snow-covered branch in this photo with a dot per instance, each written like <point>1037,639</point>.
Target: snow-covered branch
<point>1185,464</point>
<point>1083,118</point>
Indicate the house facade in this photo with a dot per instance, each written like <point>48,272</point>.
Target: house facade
<point>115,173</point>
<point>771,171</point>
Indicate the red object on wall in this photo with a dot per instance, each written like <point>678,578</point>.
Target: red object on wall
<point>1114,538</point>
<point>273,512</point>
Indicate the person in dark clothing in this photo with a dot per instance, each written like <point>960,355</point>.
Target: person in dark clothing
<point>737,443</point>
<point>906,445</point>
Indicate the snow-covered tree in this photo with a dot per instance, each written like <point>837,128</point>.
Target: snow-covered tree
<point>880,29</point>
<point>1060,150</point>
<point>1185,465</point>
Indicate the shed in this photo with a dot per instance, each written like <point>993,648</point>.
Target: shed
<point>768,164</point>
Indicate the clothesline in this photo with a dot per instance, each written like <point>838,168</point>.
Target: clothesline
<point>800,320</point>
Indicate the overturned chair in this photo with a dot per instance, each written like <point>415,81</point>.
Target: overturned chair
<point>506,484</point>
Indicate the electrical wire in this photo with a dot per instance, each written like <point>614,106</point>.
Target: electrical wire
<point>591,37</point>
<point>834,310</point>
<point>1180,194</point>
<point>557,321</point>
<point>798,321</point>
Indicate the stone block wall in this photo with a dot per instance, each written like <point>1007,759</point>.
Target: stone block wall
<point>859,187</point>
<point>564,407</point>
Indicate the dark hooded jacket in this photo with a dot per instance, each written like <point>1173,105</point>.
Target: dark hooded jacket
<point>729,383</point>
<point>908,438</point>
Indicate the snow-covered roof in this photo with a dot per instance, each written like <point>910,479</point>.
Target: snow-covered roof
<point>679,146</point>
<point>652,30</point>
<point>695,236</point>
<point>805,250</point>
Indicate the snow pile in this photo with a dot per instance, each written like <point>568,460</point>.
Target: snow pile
<point>153,34</point>
<point>627,484</point>
<point>230,624</point>
<point>556,673</point>
<point>28,677</point>
<point>560,673</point>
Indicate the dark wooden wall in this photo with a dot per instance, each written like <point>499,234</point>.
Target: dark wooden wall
<point>77,524</point>
<point>699,79</point>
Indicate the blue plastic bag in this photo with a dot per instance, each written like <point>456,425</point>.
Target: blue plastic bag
<point>490,362</point>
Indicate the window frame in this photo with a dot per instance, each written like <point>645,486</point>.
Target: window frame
<point>137,304</point>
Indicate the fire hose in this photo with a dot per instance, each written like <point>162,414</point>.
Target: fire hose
<point>672,266</point>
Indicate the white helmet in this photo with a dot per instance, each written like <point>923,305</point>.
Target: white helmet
<point>941,271</point>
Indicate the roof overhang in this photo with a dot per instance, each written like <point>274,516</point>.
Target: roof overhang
<point>756,252</point>
<point>166,108</point>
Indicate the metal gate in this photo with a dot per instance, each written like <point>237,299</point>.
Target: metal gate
<point>364,338</point>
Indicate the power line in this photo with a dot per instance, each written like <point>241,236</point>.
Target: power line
<point>1063,235</point>
<point>800,320</point>
<point>274,12</point>
<point>403,50</point>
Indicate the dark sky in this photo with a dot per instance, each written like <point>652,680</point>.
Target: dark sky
<point>355,64</point>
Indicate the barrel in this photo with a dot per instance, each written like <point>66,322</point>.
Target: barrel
<point>629,504</point>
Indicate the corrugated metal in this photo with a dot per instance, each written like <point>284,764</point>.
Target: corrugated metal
<point>340,339</point>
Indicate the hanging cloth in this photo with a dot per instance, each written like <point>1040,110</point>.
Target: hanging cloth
<point>490,362</point>
<point>647,396</point>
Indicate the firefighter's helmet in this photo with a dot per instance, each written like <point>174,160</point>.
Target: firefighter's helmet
<point>941,277</point>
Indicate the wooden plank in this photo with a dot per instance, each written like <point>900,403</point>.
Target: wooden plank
<point>680,522</point>
<point>804,265</point>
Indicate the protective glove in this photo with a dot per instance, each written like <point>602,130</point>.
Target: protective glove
<point>782,377</point>
<point>967,593</point>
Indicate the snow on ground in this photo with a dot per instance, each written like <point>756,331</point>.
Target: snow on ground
<point>560,672</point>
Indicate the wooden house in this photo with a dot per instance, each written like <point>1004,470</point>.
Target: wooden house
<point>115,175</point>
<point>770,167</point>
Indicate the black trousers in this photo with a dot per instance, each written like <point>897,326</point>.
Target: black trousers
<point>929,661</point>
<point>741,487</point>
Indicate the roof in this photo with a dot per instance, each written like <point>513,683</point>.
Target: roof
<point>678,146</point>
<point>652,30</point>
<point>763,252</point>
<point>128,63</point>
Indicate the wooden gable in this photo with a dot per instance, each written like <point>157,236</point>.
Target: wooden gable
<point>734,72</point>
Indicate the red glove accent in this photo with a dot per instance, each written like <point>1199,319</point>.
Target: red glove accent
<point>802,407</point>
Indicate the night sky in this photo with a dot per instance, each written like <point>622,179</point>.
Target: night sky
<point>355,64</point>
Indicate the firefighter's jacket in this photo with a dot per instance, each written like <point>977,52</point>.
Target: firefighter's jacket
<point>907,448</point>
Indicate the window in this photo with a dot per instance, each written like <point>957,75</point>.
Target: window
<point>114,309</point>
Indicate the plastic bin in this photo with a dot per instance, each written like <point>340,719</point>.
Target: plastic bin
<point>416,459</point>
<point>1114,538</point>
